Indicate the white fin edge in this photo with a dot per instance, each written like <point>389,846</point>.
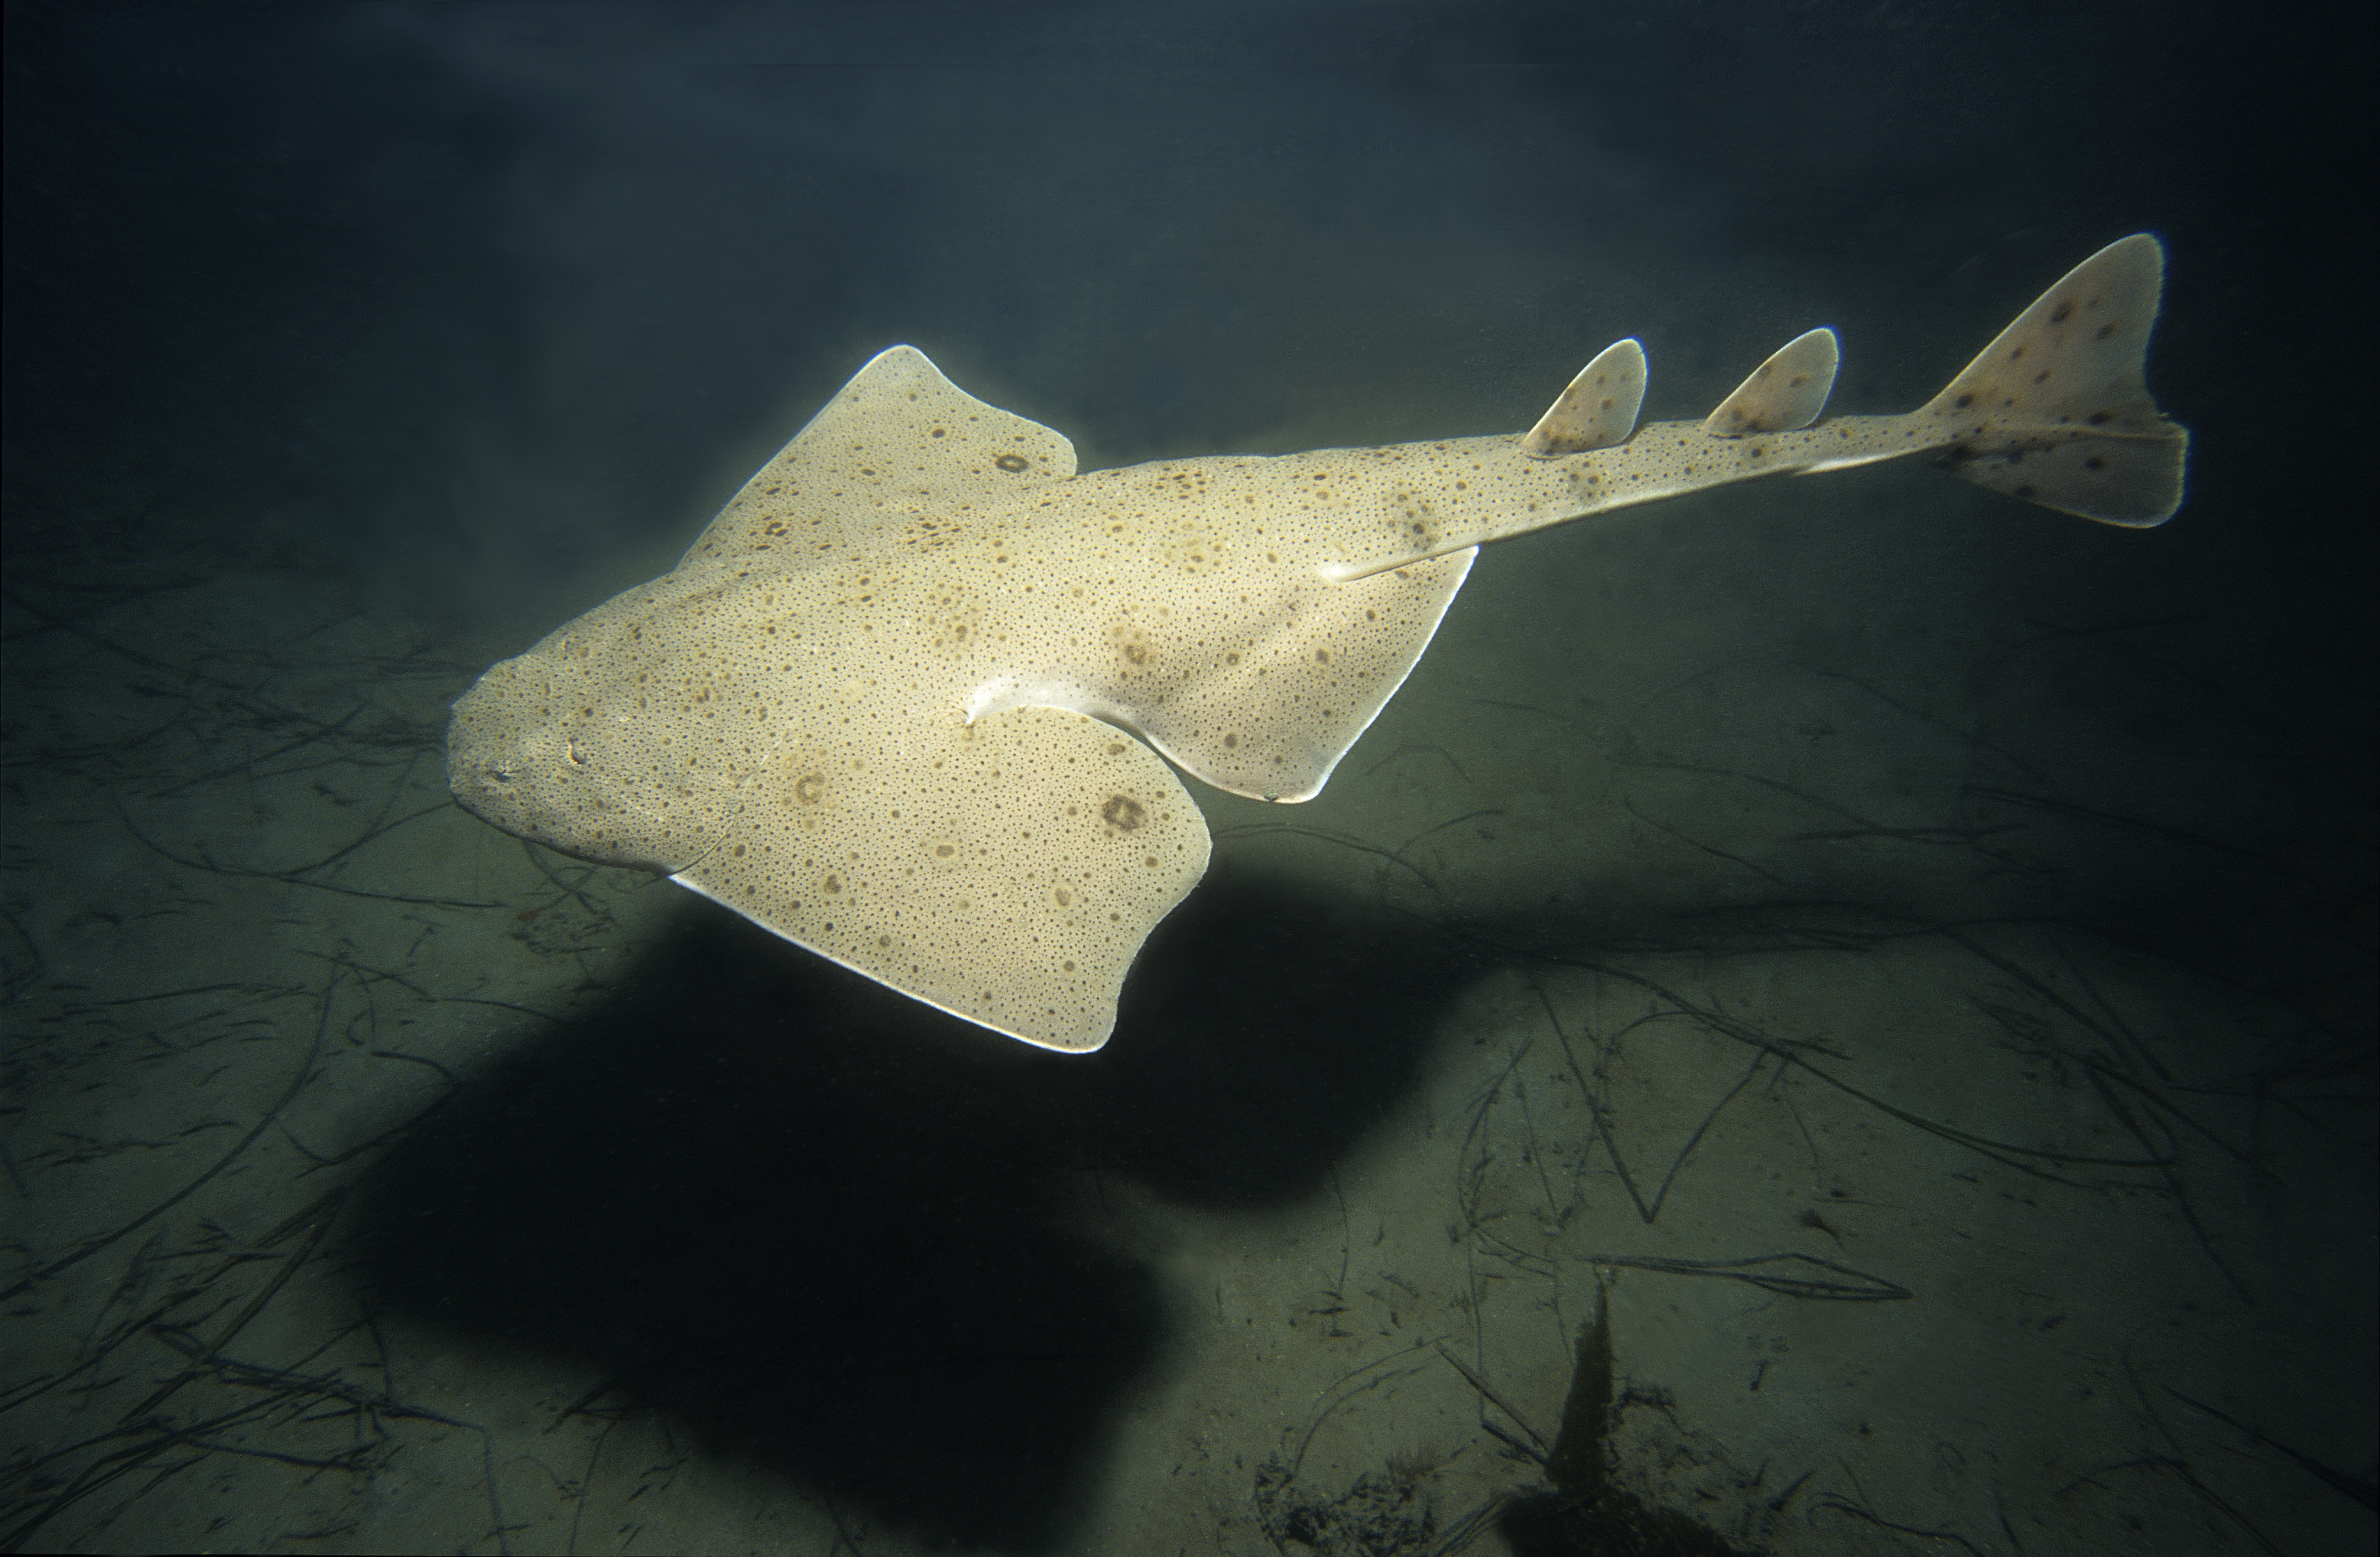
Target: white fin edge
<point>1785,394</point>
<point>1599,409</point>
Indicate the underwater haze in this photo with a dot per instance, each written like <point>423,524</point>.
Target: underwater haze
<point>1826,1017</point>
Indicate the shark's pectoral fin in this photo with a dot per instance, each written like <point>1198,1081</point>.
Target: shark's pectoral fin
<point>898,443</point>
<point>1005,871</point>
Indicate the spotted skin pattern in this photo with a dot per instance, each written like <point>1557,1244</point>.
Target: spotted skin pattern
<point>902,702</point>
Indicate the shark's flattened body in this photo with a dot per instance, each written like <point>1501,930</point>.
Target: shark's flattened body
<point>885,705</point>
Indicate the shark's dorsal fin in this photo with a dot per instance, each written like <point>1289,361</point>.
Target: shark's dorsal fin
<point>1598,411</point>
<point>909,701</point>
<point>1784,393</point>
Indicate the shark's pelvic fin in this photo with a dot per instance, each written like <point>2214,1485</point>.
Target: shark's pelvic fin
<point>1598,411</point>
<point>1784,393</point>
<point>2056,409</point>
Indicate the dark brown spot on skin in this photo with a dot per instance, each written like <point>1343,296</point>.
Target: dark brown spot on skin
<point>1963,401</point>
<point>1065,900</point>
<point>1124,813</point>
<point>944,851</point>
<point>2063,312</point>
<point>2097,418</point>
<point>833,884</point>
<point>2094,463</point>
<point>1322,656</point>
<point>2025,491</point>
<point>1230,742</point>
<point>810,788</point>
<point>2102,332</point>
<point>1137,652</point>
<point>1011,463</point>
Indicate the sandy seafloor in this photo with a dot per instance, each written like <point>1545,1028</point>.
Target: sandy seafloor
<point>1834,1017</point>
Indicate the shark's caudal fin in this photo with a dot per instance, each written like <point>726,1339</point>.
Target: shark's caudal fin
<point>2056,411</point>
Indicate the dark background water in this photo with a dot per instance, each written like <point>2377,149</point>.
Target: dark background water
<point>477,310</point>
<point>512,288</point>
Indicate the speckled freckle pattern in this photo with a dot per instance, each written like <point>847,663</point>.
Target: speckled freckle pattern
<point>886,705</point>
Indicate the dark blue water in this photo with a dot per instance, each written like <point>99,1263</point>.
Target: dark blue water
<point>1963,912</point>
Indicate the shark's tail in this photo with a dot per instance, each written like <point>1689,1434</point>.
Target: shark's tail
<point>2056,411</point>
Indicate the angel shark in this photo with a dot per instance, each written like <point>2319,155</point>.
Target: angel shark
<point>904,702</point>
